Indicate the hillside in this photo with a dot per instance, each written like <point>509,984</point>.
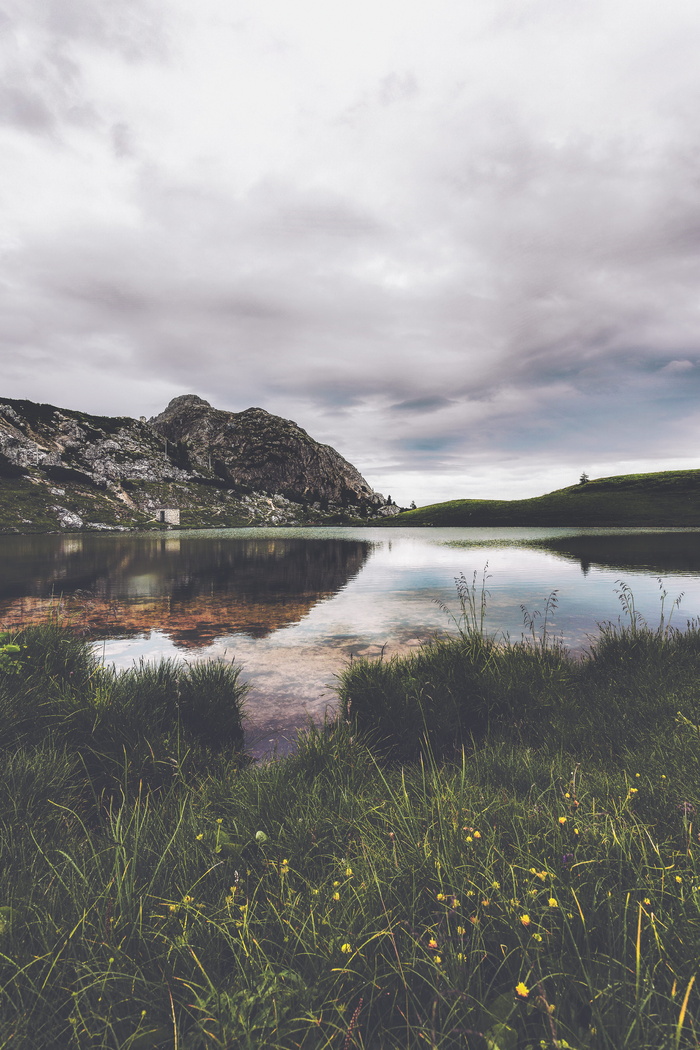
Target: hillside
<point>669,498</point>
<point>67,470</point>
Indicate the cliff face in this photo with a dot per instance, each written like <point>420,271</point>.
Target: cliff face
<point>61,469</point>
<point>264,453</point>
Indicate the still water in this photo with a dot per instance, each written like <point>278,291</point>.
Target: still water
<point>293,606</point>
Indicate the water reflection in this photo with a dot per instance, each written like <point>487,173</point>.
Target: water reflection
<point>293,606</point>
<point>659,553</point>
<point>193,588</point>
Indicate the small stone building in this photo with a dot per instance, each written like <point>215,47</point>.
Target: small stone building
<point>168,515</point>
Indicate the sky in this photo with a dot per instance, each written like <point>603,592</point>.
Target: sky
<point>457,240</point>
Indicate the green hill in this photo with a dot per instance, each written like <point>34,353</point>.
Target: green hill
<point>669,498</point>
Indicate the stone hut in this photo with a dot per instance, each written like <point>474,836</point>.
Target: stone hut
<point>168,515</point>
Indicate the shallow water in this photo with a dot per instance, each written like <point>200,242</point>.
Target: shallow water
<point>293,606</point>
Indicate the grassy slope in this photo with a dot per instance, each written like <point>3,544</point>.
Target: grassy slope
<point>668,498</point>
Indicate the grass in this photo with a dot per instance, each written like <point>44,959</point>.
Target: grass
<point>667,498</point>
<point>528,879</point>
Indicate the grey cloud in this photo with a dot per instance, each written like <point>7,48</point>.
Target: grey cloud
<point>422,404</point>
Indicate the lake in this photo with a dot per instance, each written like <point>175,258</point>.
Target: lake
<point>293,606</point>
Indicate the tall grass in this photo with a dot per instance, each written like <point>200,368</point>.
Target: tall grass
<point>536,887</point>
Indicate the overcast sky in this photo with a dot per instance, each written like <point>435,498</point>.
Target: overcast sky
<point>458,240</point>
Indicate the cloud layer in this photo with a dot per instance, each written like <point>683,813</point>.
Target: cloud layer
<point>459,242</point>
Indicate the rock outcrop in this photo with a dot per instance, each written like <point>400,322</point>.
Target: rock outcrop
<point>261,452</point>
<point>65,470</point>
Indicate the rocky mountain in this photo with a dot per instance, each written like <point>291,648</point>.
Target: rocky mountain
<point>62,469</point>
<point>263,453</point>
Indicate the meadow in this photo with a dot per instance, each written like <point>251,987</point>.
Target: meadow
<point>494,846</point>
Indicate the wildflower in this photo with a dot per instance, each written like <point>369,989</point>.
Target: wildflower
<point>460,956</point>
<point>634,791</point>
<point>432,943</point>
<point>284,868</point>
<point>495,885</point>
<point>477,834</point>
<point>200,836</point>
<point>562,820</point>
<point>533,871</point>
<point>438,960</point>
<point>348,871</point>
<point>638,774</point>
<point>679,878</point>
<point>469,838</point>
<point>576,831</point>
<point>187,899</point>
<point>567,795</point>
<point>461,931</point>
<point>336,883</point>
<point>646,901</point>
<point>345,949</point>
<point>525,920</point>
<point>336,896</point>
<point>537,936</point>
<point>219,820</point>
<point>485,903</point>
<point>552,902</point>
<point>440,897</point>
<point>455,902</point>
<point>522,990</point>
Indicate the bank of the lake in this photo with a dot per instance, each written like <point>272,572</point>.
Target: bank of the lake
<point>666,498</point>
<point>529,879</point>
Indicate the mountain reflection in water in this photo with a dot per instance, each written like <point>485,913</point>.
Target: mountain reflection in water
<point>192,588</point>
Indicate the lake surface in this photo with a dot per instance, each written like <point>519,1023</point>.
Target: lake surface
<point>293,606</point>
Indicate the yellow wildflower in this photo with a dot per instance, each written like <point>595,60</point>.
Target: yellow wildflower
<point>440,897</point>
<point>525,920</point>
<point>679,878</point>
<point>345,949</point>
<point>522,990</point>
<point>336,896</point>
<point>461,931</point>
<point>432,943</point>
<point>438,960</point>
<point>562,820</point>
<point>553,902</point>
<point>477,834</point>
<point>348,871</point>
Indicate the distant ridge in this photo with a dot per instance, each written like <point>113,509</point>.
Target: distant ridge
<point>669,498</point>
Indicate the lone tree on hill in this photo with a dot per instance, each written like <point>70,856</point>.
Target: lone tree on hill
<point>583,479</point>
